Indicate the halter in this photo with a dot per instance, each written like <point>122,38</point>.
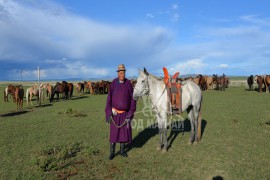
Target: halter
<point>146,87</point>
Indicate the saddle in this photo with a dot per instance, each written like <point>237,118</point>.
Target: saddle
<point>174,92</point>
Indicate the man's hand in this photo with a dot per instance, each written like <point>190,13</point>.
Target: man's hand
<point>114,112</point>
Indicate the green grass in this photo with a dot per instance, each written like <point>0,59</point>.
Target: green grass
<point>69,139</point>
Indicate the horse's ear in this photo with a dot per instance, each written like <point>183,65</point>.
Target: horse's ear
<point>145,71</point>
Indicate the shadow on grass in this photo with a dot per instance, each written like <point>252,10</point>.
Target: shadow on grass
<point>79,97</point>
<point>14,113</point>
<point>218,178</point>
<point>145,135</point>
<point>37,106</point>
<point>180,130</point>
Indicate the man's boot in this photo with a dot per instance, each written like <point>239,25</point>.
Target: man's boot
<point>112,151</point>
<point>122,150</point>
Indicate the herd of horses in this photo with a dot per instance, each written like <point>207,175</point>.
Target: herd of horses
<point>62,90</point>
<point>209,82</point>
<point>65,90</point>
<point>260,80</point>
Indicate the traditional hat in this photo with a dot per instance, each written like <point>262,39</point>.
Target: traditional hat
<point>121,67</point>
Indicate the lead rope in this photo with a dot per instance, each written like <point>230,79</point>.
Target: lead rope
<point>112,120</point>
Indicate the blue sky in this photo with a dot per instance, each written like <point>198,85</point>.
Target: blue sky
<point>86,39</point>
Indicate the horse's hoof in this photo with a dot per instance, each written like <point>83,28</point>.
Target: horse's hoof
<point>158,148</point>
<point>190,142</point>
<point>195,142</point>
<point>164,150</point>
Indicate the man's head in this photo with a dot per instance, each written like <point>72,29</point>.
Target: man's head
<point>121,72</point>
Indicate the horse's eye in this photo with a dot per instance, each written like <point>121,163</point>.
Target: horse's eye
<point>142,81</point>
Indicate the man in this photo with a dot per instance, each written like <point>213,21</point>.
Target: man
<point>119,111</point>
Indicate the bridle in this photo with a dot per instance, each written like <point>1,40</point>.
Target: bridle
<point>146,87</point>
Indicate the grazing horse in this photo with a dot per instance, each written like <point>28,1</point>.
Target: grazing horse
<point>49,89</point>
<point>266,83</point>
<point>70,90</point>
<point>209,82</point>
<point>18,95</point>
<point>9,90</point>
<point>197,79</point>
<point>250,81</point>
<point>221,82</point>
<point>89,85</point>
<point>260,81</point>
<point>155,88</point>
<point>33,91</point>
<point>80,88</point>
<point>203,83</point>
<point>60,88</point>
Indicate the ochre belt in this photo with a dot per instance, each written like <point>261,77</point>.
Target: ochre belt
<point>118,111</point>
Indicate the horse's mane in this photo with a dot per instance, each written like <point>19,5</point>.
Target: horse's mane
<point>155,77</point>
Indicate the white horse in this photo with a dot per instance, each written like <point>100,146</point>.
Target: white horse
<point>148,84</point>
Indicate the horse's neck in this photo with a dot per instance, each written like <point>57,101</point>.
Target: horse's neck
<point>156,88</point>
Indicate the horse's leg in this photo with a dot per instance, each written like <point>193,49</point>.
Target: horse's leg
<point>196,116</point>
<point>159,147</point>
<point>165,147</point>
<point>31,99</point>
<point>191,118</point>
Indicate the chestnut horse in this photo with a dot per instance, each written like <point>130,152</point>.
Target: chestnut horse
<point>9,90</point>
<point>221,82</point>
<point>60,88</point>
<point>70,89</point>
<point>267,83</point>
<point>209,82</point>
<point>265,79</point>
<point>89,85</point>
<point>18,95</point>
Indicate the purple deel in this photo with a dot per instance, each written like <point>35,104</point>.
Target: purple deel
<point>120,97</point>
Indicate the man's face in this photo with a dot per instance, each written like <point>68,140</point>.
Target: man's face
<point>121,75</point>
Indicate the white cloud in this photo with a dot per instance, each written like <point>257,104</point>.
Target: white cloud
<point>223,65</point>
<point>192,66</point>
<point>256,19</point>
<point>175,17</point>
<point>149,15</point>
<point>43,35</point>
<point>174,6</point>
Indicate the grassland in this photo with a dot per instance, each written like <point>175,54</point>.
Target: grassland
<point>69,139</point>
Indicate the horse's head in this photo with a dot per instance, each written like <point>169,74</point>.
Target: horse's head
<point>142,87</point>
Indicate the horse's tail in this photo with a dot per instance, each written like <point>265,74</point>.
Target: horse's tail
<point>27,96</point>
<point>200,123</point>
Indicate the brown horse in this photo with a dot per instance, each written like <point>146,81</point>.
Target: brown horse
<point>197,79</point>
<point>70,89</point>
<point>89,85</point>
<point>80,88</point>
<point>263,80</point>
<point>260,81</point>
<point>60,88</point>
<point>19,94</point>
<point>10,89</point>
<point>221,82</point>
<point>209,82</point>
<point>267,83</point>
<point>133,82</point>
<point>48,88</point>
